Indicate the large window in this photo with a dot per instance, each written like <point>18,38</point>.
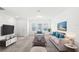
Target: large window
<point>40,27</point>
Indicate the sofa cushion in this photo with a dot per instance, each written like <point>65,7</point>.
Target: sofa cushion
<point>61,35</point>
<point>54,33</point>
<point>58,34</point>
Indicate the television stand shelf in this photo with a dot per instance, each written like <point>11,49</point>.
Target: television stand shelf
<point>7,42</point>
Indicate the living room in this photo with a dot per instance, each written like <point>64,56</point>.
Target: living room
<point>27,21</point>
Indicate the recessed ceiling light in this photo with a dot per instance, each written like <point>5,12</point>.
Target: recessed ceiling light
<point>16,16</point>
<point>39,16</point>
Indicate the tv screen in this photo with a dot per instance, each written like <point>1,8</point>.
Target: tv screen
<point>7,29</point>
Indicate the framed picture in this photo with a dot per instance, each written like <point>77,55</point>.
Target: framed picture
<point>62,26</point>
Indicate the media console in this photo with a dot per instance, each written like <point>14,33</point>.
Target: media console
<point>7,42</point>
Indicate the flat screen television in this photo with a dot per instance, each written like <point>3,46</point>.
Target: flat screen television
<point>7,29</point>
<point>62,26</point>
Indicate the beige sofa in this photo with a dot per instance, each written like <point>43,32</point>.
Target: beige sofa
<point>60,44</point>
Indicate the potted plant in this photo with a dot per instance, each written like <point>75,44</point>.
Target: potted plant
<point>49,30</point>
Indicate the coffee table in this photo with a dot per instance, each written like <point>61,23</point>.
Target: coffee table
<point>39,40</point>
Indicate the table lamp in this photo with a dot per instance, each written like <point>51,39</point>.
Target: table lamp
<point>69,38</point>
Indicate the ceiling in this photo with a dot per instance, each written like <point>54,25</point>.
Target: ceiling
<point>33,11</point>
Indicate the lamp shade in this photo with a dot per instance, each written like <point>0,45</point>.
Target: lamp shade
<point>70,35</point>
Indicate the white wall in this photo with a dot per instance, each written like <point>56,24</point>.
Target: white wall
<point>73,22</point>
<point>5,19</point>
<point>21,26</point>
<point>53,24</point>
<point>28,26</point>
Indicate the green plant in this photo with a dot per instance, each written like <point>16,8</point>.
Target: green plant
<point>49,30</point>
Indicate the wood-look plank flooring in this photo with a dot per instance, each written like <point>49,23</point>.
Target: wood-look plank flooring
<point>24,44</point>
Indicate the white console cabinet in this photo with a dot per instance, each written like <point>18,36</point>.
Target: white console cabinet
<point>10,41</point>
<point>7,42</point>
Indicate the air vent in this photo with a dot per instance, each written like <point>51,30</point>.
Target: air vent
<point>2,8</point>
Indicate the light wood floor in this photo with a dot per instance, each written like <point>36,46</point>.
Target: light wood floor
<point>25,45</point>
